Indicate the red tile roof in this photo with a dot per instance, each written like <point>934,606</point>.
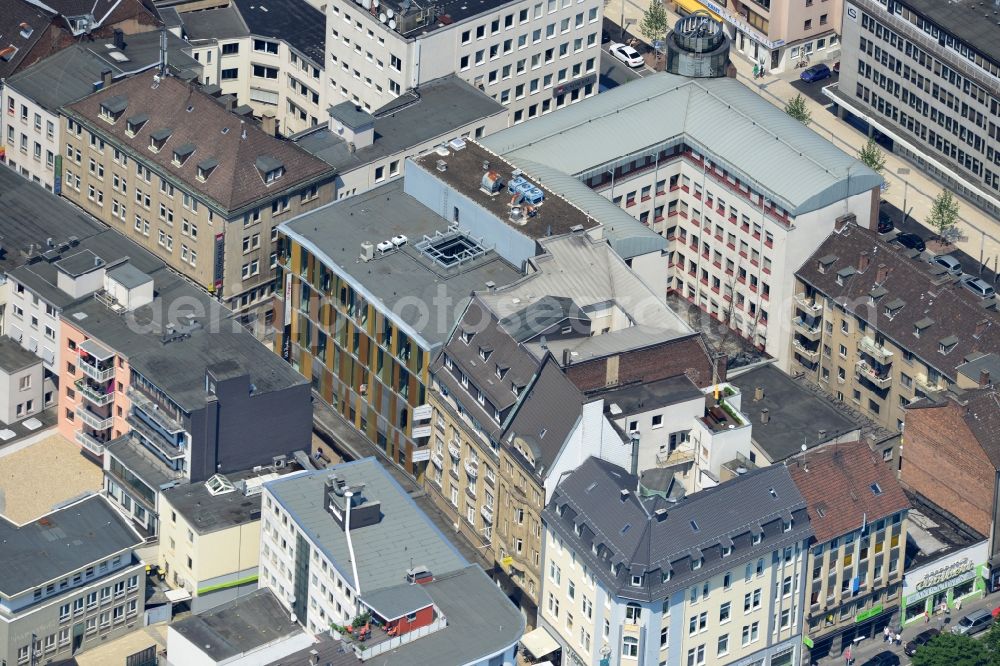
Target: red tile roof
<point>836,481</point>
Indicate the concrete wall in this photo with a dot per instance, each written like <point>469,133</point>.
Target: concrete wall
<point>31,136</point>
<point>17,402</point>
<point>40,339</point>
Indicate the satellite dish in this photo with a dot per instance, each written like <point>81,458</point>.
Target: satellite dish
<point>382,17</point>
<point>366,4</point>
<point>392,24</point>
<point>388,12</point>
<point>374,3</point>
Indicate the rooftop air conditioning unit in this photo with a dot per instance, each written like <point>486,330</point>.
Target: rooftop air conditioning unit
<point>367,251</point>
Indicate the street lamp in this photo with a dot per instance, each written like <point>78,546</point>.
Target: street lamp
<point>903,171</point>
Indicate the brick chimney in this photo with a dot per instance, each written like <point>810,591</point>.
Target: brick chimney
<point>984,378</point>
<point>269,124</point>
<point>863,261</point>
<point>981,327</point>
<point>882,274</point>
<point>843,221</point>
<point>765,416</point>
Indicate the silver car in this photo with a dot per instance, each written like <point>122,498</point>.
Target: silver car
<point>979,287</point>
<point>949,263</point>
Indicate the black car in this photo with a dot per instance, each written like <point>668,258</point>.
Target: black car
<point>884,658</point>
<point>919,640</point>
<point>912,241</point>
<point>605,36</point>
<point>885,224</point>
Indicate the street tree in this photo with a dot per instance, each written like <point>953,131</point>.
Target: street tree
<point>796,108</point>
<point>872,156</point>
<point>948,649</point>
<point>654,21</point>
<point>944,214</point>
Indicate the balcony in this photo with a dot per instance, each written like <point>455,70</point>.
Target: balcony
<point>95,421</point>
<point>805,352</point>
<point>92,444</point>
<point>487,513</point>
<point>678,456</point>
<point>156,439</point>
<point>99,373</point>
<point>454,450</point>
<point>153,411</point>
<point>809,331</point>
<point>437,459</point>
<point>872,375</point>
<point>472,468</point>
<point>808,304</point>
<point>96,396</point>
<point>927,385</point>
<point>875,350</point>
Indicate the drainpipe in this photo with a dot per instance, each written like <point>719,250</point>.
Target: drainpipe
<point>350,546</point>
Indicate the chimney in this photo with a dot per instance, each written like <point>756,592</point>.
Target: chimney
<point>567,357</point>
<point>491,286</point>
<point>882,274</point>
<point>269,124</point>
<point>119,39</point>
<point>106,78</point>
<point>843,221</point>
<point>863,261</point>
<point>981,327</point>
<point>758,394</point>
<point>822,435</point>
<point>765,416</point>
<point>623,494</point>
<point>984,378</point>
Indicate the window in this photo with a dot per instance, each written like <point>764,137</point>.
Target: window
<point>630,647</point>
<point>724,612</point>
<point>230,74</point>
<point>230,49</point>
<point>264,46</point>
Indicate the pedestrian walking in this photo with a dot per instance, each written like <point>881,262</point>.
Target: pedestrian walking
<point>886,635</point>
<point>848,655</point>
<point>927,617</point>
<point>756,70</point>
<point>899,638</point>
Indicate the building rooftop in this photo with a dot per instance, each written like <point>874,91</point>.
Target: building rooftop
<point>970,21</point>
<point>435,109</point>
<point>335,232</point>
<point>415,20</point>
<point>977,363</point>
<point>979,409</point>
<point>295,22</point>
<point>238,627</point>
<point>214,24</point>
<point>379,559</point>
<point>846,486</point>
<point>16,41</point>
<point>555,215</point>
<point>226,149</point>
<point>595,508</point>
<point>918,294</point>
<point>207,511</point>
<point>933,533</point>
<point>141,462</point>
<point>61,542</point>
<point>750,137</point>
<point>632,399</point>
<point>14,357</point>
<point>796,415</point>
<point>29,216</point>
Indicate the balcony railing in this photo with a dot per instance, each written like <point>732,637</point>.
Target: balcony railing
<point>90,443</point>
<point>437,458</point>
<point>871,374</point>
<point>808,304</point>
<point>156,439</point>
<point>154,412</point>
<point>454,450</point>
<point>926,385</point>
<point>95,421</point>
<point>875,350</point>
<point>472,468</point>
<point>97,397</point>
<point>96,373</point>
<point>487,513</point>
<point>810,332</point>
<point>678,456</point>
<point>805,352</point>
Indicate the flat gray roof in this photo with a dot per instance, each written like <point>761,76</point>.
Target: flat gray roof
<point>78,263</point>
<point>975,364</point>
<point>435,110</point>
<point>206,512</point>
<point>61,542</point>
<point>403,280</point>
<point>395,602</point>
<point>639,398</point>
<point>129,276</point>
<point>138,460</point>
<point>239,626</point>
<point>973,22</point>
<point>214,24</point>
<point>380,560</point>
<point>755,140</point>
<point>14,357</point>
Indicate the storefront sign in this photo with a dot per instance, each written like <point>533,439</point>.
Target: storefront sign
<point>422,413</point>
<point>220,260</point>
<point>740,24</point>
<point>570,86</point>
<point>945,573</point>
<point>944,585</point>
<point>808,642</point>
<point>868,614</point>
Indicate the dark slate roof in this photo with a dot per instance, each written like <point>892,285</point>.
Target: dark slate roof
<point>76,264</point>
<point>296,22</point>
<point>14,357</point>
<point>351,115</point>
<point>395,602</point>
<point>974,23</point>
<point>137,459</point>
<point>639,398</point>
<point>535,318</point>
<point>61,542</point>
<point>14,13</point>
<point>837,482</point>
<point>236,183</point>
<point>61,78</point>
<point>436,110</point>
<point>796,415</point>
<point>599,497</point>
<point>950,308</point>
<point>239,626</point>
<point>221,24</point>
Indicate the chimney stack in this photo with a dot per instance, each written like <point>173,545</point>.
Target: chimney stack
<point>981,327</point>
<point>882,274</point>
<point>106,78</point>
<point>758,394</point>
<point>984,378</point>
<point>269,124</point>
<point>567,357</point>
<point>863,261</point>
<point>765,416</point>
<point>843,221</point>
<point>119,39</point>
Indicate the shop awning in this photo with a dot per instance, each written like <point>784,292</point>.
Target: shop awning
<point>691,6</point>
<point>539,643</point>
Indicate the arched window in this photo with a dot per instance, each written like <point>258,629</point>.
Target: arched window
<point>632,613</point>
<point>630,646</point>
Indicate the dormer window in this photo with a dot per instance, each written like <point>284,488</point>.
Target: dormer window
<point>206,167</point>
<point>158,139</point>
<point>947,344</point>
<point>893,307</point>
<point>920,326</point>
<point>26,30</point>
<point>484,353</point>
<point>727,551</point>
<point>466,337</point>
<point>182,153</point>
<point>135,123</point>
<point>516,389</point>
<point>636,581</point>
<point>270,169</point>
<point>786,526</point>
<point>501,371</point>
<point>696,564</point>
<point>757,537</point>
<point>113,108</point>
<point>665,575</point>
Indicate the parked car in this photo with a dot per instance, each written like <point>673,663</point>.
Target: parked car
<point>973,623</point>
<point>978,286</point>
<point>626,54</point>
<point>949,263</point>
<point>605,36</point>
<point>885,224</point>
<point>884,658</point>
<point>912,241</point>
<point>920,640</point>
<point>815,73</point>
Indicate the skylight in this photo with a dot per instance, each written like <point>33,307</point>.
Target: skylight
<point>876,489</point>
<point>219,485</point>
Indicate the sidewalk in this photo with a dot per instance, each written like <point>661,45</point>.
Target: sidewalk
<point>980,232</point>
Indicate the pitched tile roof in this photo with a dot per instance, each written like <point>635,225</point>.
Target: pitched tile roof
<point>945,307</point>
<point>195,117</point>
<point>845,485</point>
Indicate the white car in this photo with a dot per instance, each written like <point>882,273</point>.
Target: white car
<point>626,54</point>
